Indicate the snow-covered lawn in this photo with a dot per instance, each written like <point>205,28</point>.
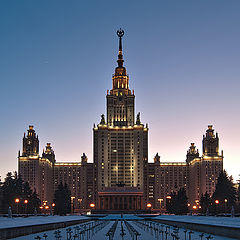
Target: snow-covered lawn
<point>145,233</point>
<point>217,221</point>
<point>121,217</point>
<point>35,220</point>
<point>181,233</point>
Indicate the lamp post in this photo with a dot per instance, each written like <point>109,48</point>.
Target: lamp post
<point>17,200</point>
<point>52,208</point>
<point>72,204</point>
<point>194,209</point>
<point>216,203</point>
<point>225,205</point>
<point>149,206</point>
<point>46,208</point>
<point>160,205</point>
<point>92,205</point>
<point>25,202</point>
<point>168,201</point>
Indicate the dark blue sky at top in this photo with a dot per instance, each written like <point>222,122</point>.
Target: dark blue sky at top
<point>57,59</point>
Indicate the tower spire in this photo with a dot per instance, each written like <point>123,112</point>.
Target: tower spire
<point>120,60</point>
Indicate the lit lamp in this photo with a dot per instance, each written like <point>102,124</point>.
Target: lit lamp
<point>225,205</point>
<point>46,208</point>
<point>53,205</point>
<point>149,205</point>
<point>216,202</point>
<point>25,202</point>
<point>17,200</point>
<point>160,203</point>
<point>92,205</point>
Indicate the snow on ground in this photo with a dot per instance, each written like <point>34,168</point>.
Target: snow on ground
<point>51,234</point>
<point>118,233</point>
<point>217,221</point>
<point>121,217</point>
<point>35,220</point>
<point>181,233</point>
<point>102,233</point>
<point>146,233</point>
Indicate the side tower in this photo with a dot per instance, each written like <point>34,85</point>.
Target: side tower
<point>211,162</point>
<point>30,143</point>
<point>194,161</point>
<point>120,146</point>
<point>29,160</point>
<point>36,170</point>
<point>204,171</point>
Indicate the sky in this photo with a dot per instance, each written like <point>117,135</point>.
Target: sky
<point>57,58</point>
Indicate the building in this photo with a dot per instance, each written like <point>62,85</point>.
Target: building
<point>120,145</point>
<point>120,176</point>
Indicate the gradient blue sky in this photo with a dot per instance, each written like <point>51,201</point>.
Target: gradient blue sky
<point>57,58</point>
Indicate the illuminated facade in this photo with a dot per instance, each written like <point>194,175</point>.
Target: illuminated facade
<point>197,175</point>
<point>120,176</point>
<point>120,145</point>
<point>36,170</point>
<point>44,174</point>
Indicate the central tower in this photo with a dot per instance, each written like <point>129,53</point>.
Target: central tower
<point>120,101</point>
<point>120,145</point>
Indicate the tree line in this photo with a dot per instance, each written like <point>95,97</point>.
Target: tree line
<point>17,194</point>
<point>224,199</point>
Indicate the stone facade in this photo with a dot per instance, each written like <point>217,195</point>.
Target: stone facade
<point>120,175</point>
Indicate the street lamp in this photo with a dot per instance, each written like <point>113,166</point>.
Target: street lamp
<point>216,203</point>
<point>225,205</point>
<point>149,205</point>
<point>17,200</point>
<point>25,202</point>
<point>46,208</point>
<point>160,203</point>
<point>52,208</point>
<point>92,205</point>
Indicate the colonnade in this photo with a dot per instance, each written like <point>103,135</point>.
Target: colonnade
<point>120,202</point>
